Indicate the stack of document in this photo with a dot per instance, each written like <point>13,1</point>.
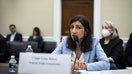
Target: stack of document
<point>87,72</point>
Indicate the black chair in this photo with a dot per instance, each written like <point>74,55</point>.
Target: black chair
<point>49,46</point>
<point>34,46</point>
<point>15,48</point>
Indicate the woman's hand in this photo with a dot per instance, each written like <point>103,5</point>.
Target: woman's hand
<point>34,37</point>
<point>110,59</point>
<point>79,65</point>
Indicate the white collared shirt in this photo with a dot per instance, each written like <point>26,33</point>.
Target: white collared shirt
<point>12,37</point>
<point>74,56</point>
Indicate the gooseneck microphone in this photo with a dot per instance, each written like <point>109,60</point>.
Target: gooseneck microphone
<point>76,41</point>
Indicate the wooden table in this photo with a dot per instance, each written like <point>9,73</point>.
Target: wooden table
<point>4,68</point>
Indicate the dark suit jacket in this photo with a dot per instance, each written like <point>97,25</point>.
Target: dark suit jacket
<point>3,49</point>
<point>128,51</point>
<point>18,37</point>
<point>115,50</point>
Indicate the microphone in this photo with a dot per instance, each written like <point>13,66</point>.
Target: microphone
<point>76,41</point>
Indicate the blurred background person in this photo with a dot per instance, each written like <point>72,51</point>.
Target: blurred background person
<point>36,36</point>
<point>112,45</point>
<point>84,49</point>
<point>3,49</point>
<point>128,52</point>
<point>14,36</point>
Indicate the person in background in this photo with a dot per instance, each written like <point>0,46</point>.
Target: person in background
<point>36,36</point>
<point>14,36</point>
<point>87,54</point>
<point>117,32</point>
<point>112,45</point>
<point>128,52</point>
<point>3,49</point>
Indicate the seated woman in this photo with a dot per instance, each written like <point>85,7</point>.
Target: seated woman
<point>86,52</point>
<point>112,45</point>
<point>37,38</point>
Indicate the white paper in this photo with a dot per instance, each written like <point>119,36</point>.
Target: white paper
<point>87,72</point>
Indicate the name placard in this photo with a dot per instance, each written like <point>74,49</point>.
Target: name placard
<point>37,63</point>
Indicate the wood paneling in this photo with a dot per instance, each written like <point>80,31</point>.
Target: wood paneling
<point>71,8</point>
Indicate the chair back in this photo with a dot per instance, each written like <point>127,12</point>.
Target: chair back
<point>15,48</point>
<point>49,46</point>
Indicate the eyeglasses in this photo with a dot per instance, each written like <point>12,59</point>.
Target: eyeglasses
<point>11,28</point>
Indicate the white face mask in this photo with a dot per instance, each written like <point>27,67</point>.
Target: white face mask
<point>105,33</point>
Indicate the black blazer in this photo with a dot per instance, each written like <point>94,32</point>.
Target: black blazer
<point>115,50</point>
<point>3,49</point>
<point>18,37</point>
<point>128,51</point>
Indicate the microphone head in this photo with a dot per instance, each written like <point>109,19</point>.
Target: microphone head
<point>76,39</point>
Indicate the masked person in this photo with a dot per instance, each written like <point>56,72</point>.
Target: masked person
<point>112,45</point>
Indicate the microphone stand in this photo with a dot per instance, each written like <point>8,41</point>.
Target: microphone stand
<point>77,46</point>
<point>73,72</point>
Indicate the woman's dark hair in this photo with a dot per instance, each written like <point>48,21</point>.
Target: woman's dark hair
<point>36,29</point>
<point>86,44</point>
